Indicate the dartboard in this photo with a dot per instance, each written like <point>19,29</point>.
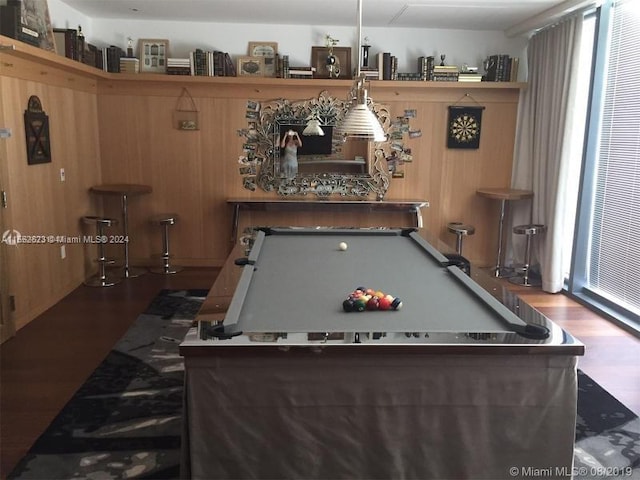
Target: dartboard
<point>465,128</point>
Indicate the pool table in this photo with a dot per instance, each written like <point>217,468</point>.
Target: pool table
<point>460,382</point>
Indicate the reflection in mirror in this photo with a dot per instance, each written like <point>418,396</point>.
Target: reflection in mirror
<point>324,165</point>
<point>317,154</point>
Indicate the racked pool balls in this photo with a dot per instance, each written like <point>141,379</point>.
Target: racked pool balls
<point>369,299</point>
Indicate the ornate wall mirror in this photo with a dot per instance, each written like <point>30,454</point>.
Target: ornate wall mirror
<point>327,165</point>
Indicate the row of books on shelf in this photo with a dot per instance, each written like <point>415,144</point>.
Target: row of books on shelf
<point>502,68</point>
<point>70,43</point>
<point>203,63</point>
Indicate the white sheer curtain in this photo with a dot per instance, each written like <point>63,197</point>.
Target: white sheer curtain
<point>543,144</point>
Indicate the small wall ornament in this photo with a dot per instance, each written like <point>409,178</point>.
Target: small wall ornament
<point>36,129</point>
<point>185,115</point>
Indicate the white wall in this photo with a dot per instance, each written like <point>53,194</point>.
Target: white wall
<point>63,16</point>
<point>459,46</point>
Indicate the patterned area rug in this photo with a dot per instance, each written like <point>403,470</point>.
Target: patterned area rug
<point>125,421</point>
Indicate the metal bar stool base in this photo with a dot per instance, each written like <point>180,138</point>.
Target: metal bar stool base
<point>166,270</point>
<point>133,272</point>
<point>525,281</point>
<point>502,272</point>
<point>96,281</point>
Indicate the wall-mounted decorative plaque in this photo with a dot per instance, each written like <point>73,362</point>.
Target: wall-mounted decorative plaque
<point>36,128</point>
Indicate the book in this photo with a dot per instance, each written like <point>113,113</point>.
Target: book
<point>370,73</point>
<point>229,66</point>
<point>199,62</point>
<point>469,77</point>
<point>129,65</point>
<point>66,42</point>
<point>515,63</point>
<point>301,72</point>
<point>499,68</point>
<point>111,58</point>
<point>89,55</point>
<point>11,23</point>
<point>283,66</point>
<point>425,67</point>
<point>408,76</point>
<point>445,73</point>
<point>387,64</point>
<point>178,66</point>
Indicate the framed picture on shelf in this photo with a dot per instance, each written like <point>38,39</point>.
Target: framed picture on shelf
<point>341,64</point>
<point>153,55</point>
<point>27,21</point>
<point>267,50</point>
<point>251,66</point>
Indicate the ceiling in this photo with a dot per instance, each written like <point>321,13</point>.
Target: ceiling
<point>448,14</point>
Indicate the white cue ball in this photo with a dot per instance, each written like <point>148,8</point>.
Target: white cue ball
<point>342,246</point>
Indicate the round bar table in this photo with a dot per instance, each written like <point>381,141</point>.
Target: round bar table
<point>124,190</point>
<point>504,195</point>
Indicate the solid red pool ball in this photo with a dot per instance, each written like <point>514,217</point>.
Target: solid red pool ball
<point>384,303</point>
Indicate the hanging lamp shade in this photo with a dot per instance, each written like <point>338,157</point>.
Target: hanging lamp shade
<point>313,128</point>
<point>359,121</point>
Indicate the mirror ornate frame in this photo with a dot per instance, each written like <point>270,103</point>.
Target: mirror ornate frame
<point>261,148</point>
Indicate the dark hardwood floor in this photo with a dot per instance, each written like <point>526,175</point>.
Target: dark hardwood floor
<point>44,364</point>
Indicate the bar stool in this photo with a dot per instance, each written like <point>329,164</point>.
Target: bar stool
<point>460,230</point>
<point>100,279</point>
<point>165,220</point>
<point>529,230</point>
<point>124,191</point>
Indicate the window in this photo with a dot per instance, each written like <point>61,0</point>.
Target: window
<point>606,256</point>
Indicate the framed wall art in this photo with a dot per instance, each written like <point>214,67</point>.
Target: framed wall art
<point>153,55</point>
<point>341,65</point>
<point>267,50</point>
<point>250,66</point>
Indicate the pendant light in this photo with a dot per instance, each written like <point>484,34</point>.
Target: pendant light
<point>359,121</point>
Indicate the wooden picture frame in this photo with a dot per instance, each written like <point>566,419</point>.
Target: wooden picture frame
<point>153,54</point>
<point>343,61</point>
<point>268,50</point>
<point>250,66</point>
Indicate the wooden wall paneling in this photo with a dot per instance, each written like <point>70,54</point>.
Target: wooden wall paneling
<point>40,203</point>
<point>447,178</point>
<point>7,322</point>
<point>29,70</point>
